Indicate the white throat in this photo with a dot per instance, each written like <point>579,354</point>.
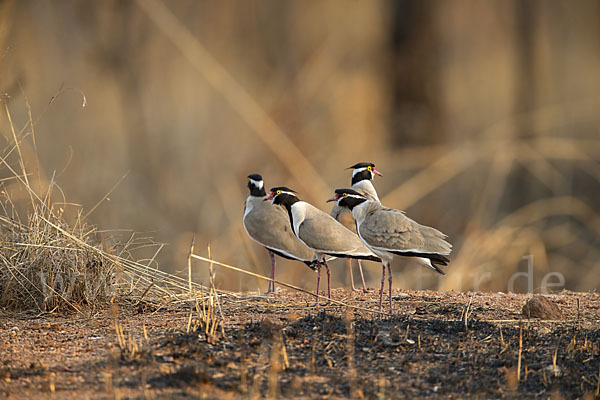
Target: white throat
<point>258,184</point>
<point>366,188</point>
<point>359,213</point>
<point>298,215</point>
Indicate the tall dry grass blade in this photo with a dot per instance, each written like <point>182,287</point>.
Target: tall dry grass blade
<point>520,354</point>
<point>189,263</point>
<point>105,196</point>
<point>16,141</point>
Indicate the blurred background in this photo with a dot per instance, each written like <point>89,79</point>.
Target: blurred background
<point>483,117</point>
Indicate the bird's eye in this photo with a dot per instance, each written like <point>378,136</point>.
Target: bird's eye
<point>279,192</point>
<point>369,168</point>
<point>345,194</point>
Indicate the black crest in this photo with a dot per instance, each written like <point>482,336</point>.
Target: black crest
<point>362,165</point>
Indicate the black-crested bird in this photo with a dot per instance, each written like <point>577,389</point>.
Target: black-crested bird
<point>388,232</point>
<point>269,226</point>
<point>320,232</point>
<point>362,175</point>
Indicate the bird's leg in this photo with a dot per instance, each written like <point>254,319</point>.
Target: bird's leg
<point>349,262</point>
<point>362,277</point>
<point>318,282</point>
<point>389,266</point>
<point>271,283</point>
<point>328,283</point>
<point>381,290</point>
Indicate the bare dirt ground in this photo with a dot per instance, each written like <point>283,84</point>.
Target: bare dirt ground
<point>277,347</point>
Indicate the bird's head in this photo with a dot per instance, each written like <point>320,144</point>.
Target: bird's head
<point>362,171</point>
<point>256,185</point>
<point>347,198</point>
<point>282,195</point>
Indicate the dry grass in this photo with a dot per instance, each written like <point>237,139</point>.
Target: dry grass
<point>51,258</point>
<point>48,260</point>
<point>41,268</point>
<point>432,93</point>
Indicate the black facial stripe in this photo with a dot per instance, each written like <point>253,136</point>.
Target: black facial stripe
<point>361,176</point>
<point>351,201</point>
<point>347,191</point>
<point>285,199</point>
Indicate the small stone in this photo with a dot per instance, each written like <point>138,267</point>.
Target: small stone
<point>554,369</point>
<point>541,307</point>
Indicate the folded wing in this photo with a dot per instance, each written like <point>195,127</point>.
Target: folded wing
<point>270,226</point>
<point>326,235</point>
<point>391,230</point>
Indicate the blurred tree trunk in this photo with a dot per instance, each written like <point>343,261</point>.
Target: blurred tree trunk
<point>416,117</point>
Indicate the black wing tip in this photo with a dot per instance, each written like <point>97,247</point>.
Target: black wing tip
<point>311,264</point>
<point>436,259</point>
<point>366,258</point>
<point>438,269</point>
<point>371,258</point>
<point>440,259</point>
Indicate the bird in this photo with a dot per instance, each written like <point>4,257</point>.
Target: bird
<point>388,232</point>
<point>362,174</point>
<point>320,232</point>
<point>268,225</point>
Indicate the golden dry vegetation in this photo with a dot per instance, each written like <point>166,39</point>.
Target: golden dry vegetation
<point>482,117</point>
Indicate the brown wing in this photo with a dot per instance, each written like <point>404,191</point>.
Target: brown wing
<point>391,230</point>
<point>344,216</point>
<point>270,226</point>
<point>324,234</point>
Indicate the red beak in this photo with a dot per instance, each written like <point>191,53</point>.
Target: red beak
<point>377,172</point>
<point>334,198</point>
<point>270,196</point>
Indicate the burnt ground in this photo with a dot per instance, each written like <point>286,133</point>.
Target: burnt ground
<point>277,347</point>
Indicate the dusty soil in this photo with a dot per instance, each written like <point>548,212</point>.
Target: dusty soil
<point>277,347</point>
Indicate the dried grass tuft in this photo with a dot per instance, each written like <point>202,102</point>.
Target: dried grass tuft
<point>51,259</point>
<point>43,269</point>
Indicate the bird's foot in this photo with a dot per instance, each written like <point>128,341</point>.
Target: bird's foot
<point>315,304</point>
<point>272,290</point>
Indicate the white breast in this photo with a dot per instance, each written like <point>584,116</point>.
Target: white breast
<point>249,206</point>
<point>359,212</point>
<point>366,187</point>
<point>298,215</point>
